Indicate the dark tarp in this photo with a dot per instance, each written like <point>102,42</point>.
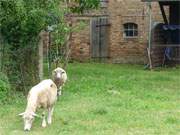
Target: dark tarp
<point>171,27</point>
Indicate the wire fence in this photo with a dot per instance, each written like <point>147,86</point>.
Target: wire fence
<point>20,65</point>
<point>31,64</point>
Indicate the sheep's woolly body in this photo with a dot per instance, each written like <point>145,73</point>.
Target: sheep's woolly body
<point>42,95</point>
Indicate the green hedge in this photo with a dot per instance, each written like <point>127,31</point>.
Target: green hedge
<point>4,88</point>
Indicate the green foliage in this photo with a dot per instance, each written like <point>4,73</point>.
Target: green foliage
<point>84,5</point>
<point>4,88</point>
<point>21,22</point>
<point>3,78</point>
<point>20,64</point>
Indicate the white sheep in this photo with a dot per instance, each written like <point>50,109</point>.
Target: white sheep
<point>42,95</point>
<point>59,77</point>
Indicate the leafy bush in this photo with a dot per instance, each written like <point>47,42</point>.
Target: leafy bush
<point>21,22</point>
<point>4,88</point>
<point>3,78</point>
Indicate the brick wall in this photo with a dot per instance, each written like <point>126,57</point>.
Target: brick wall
<point>121,49</point>
<point>80,48</point>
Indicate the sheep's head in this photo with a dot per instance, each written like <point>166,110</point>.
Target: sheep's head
<point>59,76</point>
<point>28,118</point>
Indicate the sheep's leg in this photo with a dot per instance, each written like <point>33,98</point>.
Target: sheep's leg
<point>60,91</point>
<point>50,113</point>
<point>44,120</point>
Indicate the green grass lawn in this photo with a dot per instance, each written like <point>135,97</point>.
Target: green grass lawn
<point>105,99</point>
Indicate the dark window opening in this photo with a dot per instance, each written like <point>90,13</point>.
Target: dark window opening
<point>130,30</point>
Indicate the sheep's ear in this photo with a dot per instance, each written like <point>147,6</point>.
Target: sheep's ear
<point>21,114</point>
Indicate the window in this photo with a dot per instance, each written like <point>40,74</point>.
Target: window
<point>130,30</point>
<point>103,3</point>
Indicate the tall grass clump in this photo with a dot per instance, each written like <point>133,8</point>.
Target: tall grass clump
<point>4,88</point>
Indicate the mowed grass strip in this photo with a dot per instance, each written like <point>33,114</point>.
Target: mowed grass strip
<point>107,99</point>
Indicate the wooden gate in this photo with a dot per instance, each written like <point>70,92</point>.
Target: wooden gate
<point>99,37</point>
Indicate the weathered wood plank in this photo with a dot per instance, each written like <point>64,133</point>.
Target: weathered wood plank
<point>99,37</point>
<point>104,38</point>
